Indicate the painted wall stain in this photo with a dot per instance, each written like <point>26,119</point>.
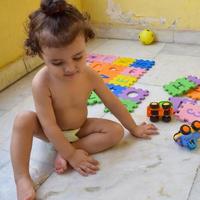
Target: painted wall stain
<point>116,14</point>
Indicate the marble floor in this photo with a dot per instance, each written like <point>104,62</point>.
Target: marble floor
<point>135,169</point>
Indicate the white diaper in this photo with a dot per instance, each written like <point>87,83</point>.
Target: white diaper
<point>70,135</point>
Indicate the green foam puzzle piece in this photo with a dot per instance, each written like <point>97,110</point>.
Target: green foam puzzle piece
<point>179,86</point>
<point>93,99</point>
<point>129,104</point>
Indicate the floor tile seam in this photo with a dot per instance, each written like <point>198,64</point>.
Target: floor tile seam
<point>182,55</point>
<point>47,178</point>
<point>149,84</point>
<point>156,55</point>
<point>195,177</point>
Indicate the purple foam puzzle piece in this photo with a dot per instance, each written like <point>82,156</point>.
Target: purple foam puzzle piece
<point>177,101</point>
<point>141,94</point>
<point>194,79</point>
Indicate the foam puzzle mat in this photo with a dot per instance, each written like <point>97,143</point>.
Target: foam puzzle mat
<point>186,93</point>
<point>120,74</point>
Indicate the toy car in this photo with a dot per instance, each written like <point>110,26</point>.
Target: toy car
<point>160,110</point>
<point>188,135</point>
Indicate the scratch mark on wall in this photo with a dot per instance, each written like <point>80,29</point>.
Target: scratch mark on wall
<point>116,14</point>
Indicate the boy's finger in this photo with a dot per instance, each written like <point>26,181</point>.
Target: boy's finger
<point>91,166</point>
<point>151,132</point>
<point>87,169</point>
<point>93,161</point>
<point>145,136</point>
<point>81,172</point>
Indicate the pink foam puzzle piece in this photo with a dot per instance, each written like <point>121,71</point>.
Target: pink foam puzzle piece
<point>101,58</point>
<point>132,71</point>
<point>188,112</point>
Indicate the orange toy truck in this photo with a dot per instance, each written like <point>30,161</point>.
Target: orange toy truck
<point>160,110</point>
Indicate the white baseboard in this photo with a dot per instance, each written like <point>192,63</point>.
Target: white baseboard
<point>16,70</point>
<point>130,33</point>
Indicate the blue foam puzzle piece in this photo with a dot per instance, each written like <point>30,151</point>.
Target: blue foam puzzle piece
<point>116,89</point>
<point>144,64</point>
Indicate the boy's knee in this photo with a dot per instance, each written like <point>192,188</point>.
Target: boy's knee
<point>25,119</point>
<point>117,132</point>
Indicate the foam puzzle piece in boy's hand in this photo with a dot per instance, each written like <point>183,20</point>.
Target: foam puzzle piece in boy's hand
<point>123,61</point>
<point>194,94</point>
<point>130,105</point>
<point>177,101</point>
<point>93,99</point>
<point>188,112</point>
<point>140,94</point>
<point>179,86</point>
<point>132,71</point>
<point>122,80</point>
<point>116,89</point>
<point>194,79</point>
<point>144,64</point>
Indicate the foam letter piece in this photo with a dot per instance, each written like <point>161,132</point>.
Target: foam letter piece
<point>130,105</point>
<point>123,80</point>
<point>177,101</point>
<point>194,94</point>
<point>123,61</point>
<point>93,99</point>
<point>188,112</point>
<point>132,71</point>
<point>144,64</point>
<point>116,89</point>
<point>140,94</point>
<point>194,79</point>
<point>179,86</point>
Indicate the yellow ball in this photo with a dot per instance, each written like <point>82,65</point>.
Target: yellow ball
<point>146,37</point>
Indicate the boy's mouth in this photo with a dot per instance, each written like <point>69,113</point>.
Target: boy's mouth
<point>70,74</point>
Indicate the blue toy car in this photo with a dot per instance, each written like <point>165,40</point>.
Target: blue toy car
<point>188,135</point>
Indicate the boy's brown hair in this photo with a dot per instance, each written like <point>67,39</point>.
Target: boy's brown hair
<point>55,24</point>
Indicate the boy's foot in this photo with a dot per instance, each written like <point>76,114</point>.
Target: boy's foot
<point>60,164</point>
<point>25,189</point>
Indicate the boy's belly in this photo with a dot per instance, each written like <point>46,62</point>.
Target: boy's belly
<point>71,118</point>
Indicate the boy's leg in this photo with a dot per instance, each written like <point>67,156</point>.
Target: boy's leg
<point>98,134</point>
<point>26,125</point>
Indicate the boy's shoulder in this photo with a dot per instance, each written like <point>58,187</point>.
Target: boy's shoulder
<point>91,73</point>
<point>40,80</point>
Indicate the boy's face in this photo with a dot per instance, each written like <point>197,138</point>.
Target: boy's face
<point>68,61</point>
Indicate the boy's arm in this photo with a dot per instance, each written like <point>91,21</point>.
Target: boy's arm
<point>119,110</point>
<point>45,113</point>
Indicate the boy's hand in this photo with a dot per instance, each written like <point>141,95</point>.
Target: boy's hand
<point>144,130</point>
<point>83,163</point>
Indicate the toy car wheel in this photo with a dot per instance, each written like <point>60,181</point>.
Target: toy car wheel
<point>176,136</point>
<point>185,129</point>
<point>154,105</point>
<point>166,118</point>
<point>196,125</point>
<point>166,105</point>
<point>154,112</point>
<point>154,118</point>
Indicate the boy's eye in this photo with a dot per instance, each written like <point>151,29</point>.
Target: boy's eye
<point>77,58</point>
<point>57,63</point>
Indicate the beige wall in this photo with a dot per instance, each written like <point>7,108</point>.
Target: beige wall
<point>13,15</point>
<point>156,14</point>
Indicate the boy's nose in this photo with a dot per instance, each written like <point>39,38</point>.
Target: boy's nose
<point>70,69</point>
